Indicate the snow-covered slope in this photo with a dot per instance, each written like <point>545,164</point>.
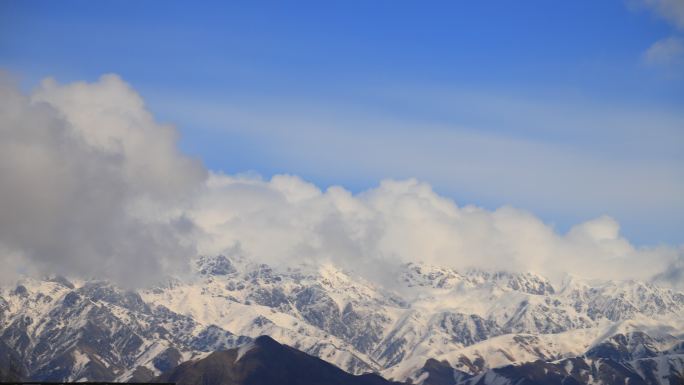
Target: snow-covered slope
<point>474,320</point>
<point>95,331</point>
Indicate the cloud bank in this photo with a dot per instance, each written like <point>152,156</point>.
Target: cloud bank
<point>92,186</point>
<point>286,219</point>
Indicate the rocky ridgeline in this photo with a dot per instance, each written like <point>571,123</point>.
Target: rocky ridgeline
<point>473,320</point>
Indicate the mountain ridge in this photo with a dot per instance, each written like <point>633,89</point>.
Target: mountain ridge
<point>264,361</point>
<point>474,320</point>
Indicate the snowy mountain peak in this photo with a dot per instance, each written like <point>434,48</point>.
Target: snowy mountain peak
<point>419,274</point>
<point>474,320</point>
<point>216,265</point>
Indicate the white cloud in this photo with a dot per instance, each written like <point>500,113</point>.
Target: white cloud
<point>287,219</point>
<point>86,176</point>
<point>91,185</point>
<point>666,52</point>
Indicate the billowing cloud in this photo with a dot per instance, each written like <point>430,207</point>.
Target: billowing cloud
<point>287,219</point>
<point>92,186</point>
<point>86,181</point>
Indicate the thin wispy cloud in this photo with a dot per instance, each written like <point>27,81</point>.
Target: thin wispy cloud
<point>670,10</point>
<point>584,157</point>
<point>668,52</point>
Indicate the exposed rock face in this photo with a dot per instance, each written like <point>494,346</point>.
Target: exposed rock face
<point>440,373</point>
<point>467,329</point>
<point>219,265</point>
<point>11,366</point>
<point>621,347</point>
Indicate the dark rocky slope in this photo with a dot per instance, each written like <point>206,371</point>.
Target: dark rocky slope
<point>264,362</point>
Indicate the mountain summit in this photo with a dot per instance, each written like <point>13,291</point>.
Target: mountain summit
<point>474,321</point>
<point>264,362</point>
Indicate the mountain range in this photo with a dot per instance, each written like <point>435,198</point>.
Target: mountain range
<point>431,325</point>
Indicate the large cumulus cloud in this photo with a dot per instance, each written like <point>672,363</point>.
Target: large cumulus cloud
<point>92,186</point>
<point>86,181</point>
<point>286,219</point>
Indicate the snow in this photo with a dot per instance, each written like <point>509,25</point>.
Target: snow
<point>80,362</point>
<point>421,379</point>
<point>411,322</point>
<point>242,350</point>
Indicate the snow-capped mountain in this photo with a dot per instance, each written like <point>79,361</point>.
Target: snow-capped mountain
<point>472,320</point>
<point>632,358</point>
<point>96,331</point>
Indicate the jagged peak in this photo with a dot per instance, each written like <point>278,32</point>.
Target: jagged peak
<point>423,274</point>
<point>215,265</point>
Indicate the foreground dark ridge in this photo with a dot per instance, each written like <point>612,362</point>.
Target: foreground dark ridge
<point>264,362</point>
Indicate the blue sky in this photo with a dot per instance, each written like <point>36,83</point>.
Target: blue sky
<point>568,109</point>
